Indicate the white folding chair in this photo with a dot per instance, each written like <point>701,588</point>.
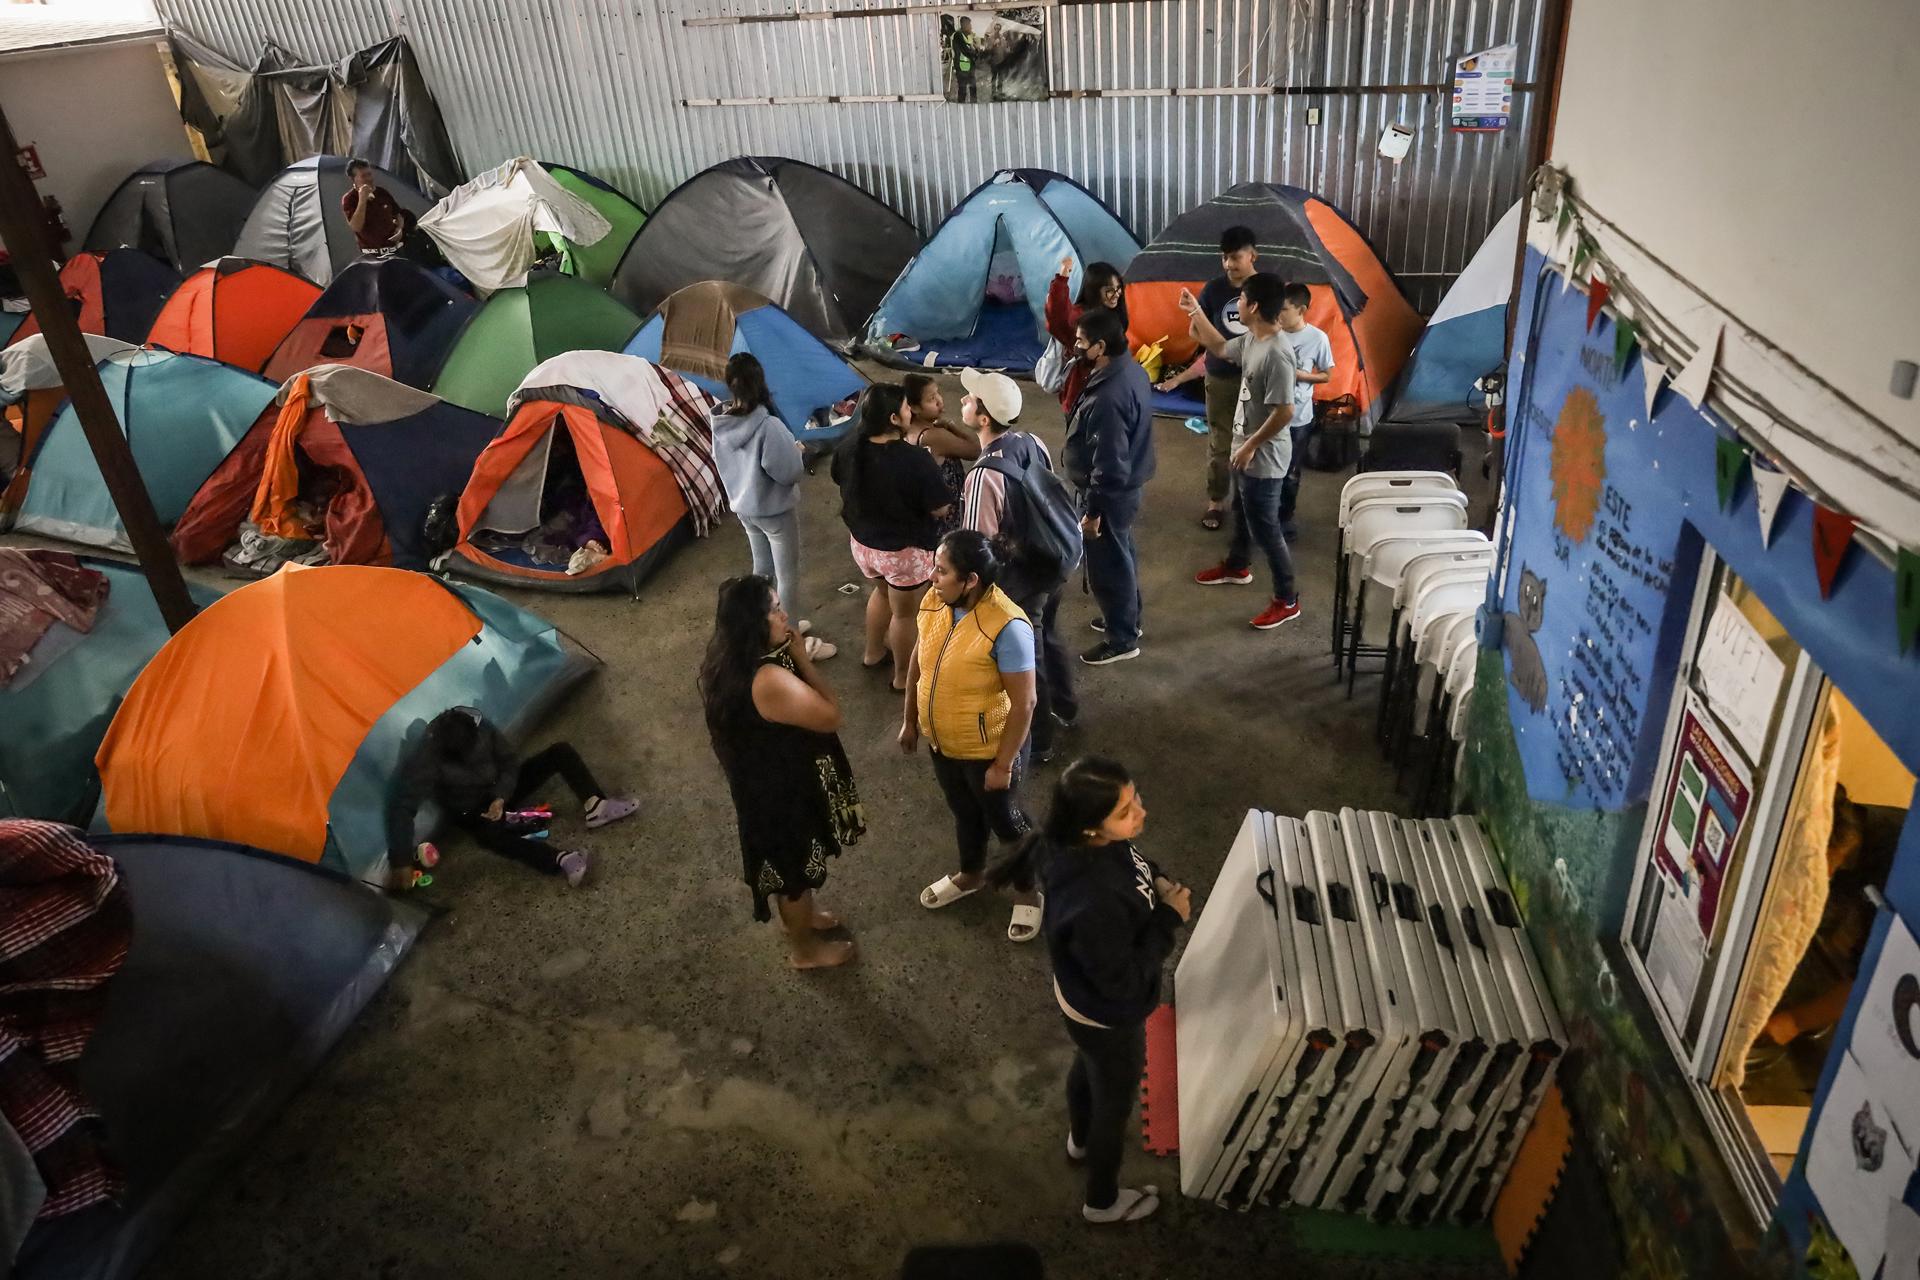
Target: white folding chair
<point>1447,730</point>
<point>1413,577</point>
<point>1392,484</point>
<point>1382,564</point>
<point>1440,594</point>
<point>1371,519</point>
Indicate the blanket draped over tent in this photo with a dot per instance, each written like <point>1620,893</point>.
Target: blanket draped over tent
<point>259,119</point>
<point>64,931</point>
<point>38,589</point>
<point>486,227</point>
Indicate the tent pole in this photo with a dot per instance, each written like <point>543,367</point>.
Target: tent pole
<point>24,233</point>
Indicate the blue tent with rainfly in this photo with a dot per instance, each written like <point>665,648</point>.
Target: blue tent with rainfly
<point>698,328</point>
<point>976,294</point>
<point>182,416</point>
<point>1465,338</point>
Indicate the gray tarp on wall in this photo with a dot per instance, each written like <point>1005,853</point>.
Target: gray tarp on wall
<point>245,969</point>
<point>373,103</point>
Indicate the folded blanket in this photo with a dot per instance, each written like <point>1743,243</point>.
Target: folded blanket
<point>65,926</point>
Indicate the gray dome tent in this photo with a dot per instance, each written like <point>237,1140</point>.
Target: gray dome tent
<point>296,224</point>
<point>822,248</point>
<point>183,212</point>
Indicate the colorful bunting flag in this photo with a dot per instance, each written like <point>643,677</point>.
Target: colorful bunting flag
<point>1625,333</point>
<point>1769,487</point>
<point>1729,460</point>
<point>1598,291</point>
<point>1832,535</point>
<point>1906,597</point>
<point>1655,374</point>
<point>1698,374</point>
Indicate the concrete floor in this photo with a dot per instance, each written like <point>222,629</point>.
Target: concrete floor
<point>627,1080</point>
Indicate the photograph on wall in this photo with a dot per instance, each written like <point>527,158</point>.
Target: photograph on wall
<point>994,55</point>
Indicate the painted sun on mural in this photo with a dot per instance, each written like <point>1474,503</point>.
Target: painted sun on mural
<point>1579,463</point>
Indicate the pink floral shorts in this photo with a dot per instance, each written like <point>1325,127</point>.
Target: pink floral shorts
<point>904,570</point>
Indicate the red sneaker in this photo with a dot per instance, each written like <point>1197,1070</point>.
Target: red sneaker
<point>1223,574</point>
<point>1280,611</point>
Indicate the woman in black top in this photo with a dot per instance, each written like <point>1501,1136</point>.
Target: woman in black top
<point>892,497</point>
<point>774,723</point>
<point>1109,921</point>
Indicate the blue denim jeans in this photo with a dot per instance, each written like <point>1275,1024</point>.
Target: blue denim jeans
<point>1256,518</point>
<point>1113,569</point>
<point>1291,491</point>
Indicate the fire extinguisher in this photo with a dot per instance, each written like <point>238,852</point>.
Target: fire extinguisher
<point>58,232</point>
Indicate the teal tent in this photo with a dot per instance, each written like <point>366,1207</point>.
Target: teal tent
<point>182,415</point>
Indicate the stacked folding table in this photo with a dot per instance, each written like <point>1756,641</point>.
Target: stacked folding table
<point>1361,1023</point>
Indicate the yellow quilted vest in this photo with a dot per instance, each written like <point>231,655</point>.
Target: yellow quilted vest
<point>963,705</point>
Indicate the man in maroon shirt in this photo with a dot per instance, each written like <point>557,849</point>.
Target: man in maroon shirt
<point>377,220</point>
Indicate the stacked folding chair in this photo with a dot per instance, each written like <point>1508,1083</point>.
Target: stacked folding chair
<point>1361,1021</point>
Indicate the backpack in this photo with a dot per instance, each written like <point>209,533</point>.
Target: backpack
<point>1050,370</point>
<point>1041,525</point>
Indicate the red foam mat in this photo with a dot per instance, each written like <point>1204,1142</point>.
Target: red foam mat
<point>1160,1087</point>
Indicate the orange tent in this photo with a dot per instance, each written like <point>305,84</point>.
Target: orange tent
<point>1302,239</point>
<point>234,311</point>
<point>277,716</point>
<point>633,493</point>
<point>115,292</point>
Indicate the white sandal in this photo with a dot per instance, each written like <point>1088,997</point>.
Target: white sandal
<point>944,893</point>
<point>1025,925</point>
<point>820,650</point>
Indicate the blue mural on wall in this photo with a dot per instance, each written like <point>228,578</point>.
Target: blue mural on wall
<point>1611,508</point>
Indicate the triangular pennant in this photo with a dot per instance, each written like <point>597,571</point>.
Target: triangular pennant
<point>1698,374</point>
<point>1564,221</point>
<point>1625,334</point>
<point>1906,597</point>
<point>1832,535</point>
<point>1729,460</point>
<point>1597,294</point>
<point>1656,375</point>
<point>1769,487</point>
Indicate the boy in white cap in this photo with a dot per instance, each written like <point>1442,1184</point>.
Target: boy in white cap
<point>992,406</point>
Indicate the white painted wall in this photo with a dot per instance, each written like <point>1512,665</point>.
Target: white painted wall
<point>1769,150</point>
<point>96,114</point>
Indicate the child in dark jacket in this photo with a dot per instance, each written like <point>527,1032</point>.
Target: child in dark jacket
<point>1109,918</point>
<point>462,764</point>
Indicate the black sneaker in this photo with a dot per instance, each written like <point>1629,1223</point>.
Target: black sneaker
<point>1108,652</point>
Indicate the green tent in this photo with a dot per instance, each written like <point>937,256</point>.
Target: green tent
<point>596,261</point>
<point>519,328</point>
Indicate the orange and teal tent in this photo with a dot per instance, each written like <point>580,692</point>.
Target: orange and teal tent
<point>1303,240</point>
<point>115,292</point>
<point>278,716</point>
<point>234,311</point>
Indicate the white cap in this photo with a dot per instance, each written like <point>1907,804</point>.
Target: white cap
<point>998,394</point>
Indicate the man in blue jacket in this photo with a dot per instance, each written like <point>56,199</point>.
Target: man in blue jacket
<point>1110,459</point>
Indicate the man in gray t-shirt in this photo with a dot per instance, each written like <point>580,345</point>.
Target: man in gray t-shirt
<point>1262,445</point>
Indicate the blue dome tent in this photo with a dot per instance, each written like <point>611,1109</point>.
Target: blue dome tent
<point>976,295</point>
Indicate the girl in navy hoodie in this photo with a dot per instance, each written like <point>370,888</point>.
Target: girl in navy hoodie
<point>1109,921</point>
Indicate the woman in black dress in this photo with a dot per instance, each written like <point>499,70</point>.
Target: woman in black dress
<point>773,720</point>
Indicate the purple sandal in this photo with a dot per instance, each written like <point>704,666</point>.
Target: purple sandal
<point>612,809</point>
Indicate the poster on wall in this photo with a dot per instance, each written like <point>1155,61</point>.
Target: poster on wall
<point>1483,89</point>
<point>1740,675</point>
<point>1708,793</point>
<point>996,55</point>
<point>1857,1164</point>
<point>1886,1034</point>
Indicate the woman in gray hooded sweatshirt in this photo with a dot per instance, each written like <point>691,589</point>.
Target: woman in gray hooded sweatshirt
<point>760,465</point>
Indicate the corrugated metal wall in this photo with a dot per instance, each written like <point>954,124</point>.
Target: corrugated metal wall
<point>602,84</point>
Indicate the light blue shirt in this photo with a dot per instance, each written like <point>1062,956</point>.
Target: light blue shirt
<point>1012,648</point>
<point>1312,353</point>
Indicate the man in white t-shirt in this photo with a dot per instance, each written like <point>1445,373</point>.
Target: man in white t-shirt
<point>1312,367</point>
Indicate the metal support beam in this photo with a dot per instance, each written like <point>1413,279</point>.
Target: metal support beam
<point>24,233</point>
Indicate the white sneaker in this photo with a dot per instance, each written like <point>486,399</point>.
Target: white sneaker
<point>820,650</point>
<point>1129,1206</point>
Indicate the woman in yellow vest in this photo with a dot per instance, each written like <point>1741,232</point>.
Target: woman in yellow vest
<point>970,691</point>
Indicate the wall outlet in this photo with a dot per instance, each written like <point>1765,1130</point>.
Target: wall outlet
<point>1313,116</point>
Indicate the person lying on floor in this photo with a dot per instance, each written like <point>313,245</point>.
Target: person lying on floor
<point>464,765</point>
